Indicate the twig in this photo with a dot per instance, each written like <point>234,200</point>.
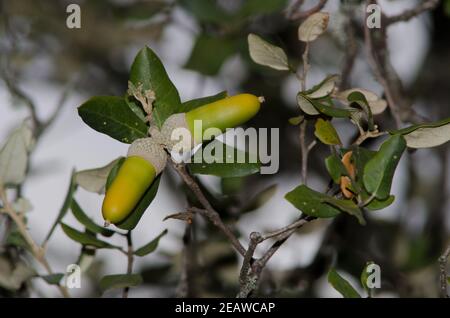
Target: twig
<point>412,13</point>
<point>208,212</point>
<point>186,286</point>
<point>293,15</point>
<point>255,239</point>
<point>130,255</point>
<point>305,150</point>
<point>37,251</point>
<point>443,272</point>
<point>368,134</point>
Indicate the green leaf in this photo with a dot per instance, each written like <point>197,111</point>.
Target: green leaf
<point>347,206</point>
<point>85,238</point>
<point>111,115</point>
<point>335,168</point>
<point>322,105</point>
<point>260,199</point>
<point>326,133</point>
<point>360,99</point>
<point>326,107</point>
<point>119,281</point>
<point>426,135</point>
<point>342,285</point>
<point>360,157</point>
<point>53,279</point>
<point>132,220</point>
<point>211,160</point>
<point>376,204</point>
<point>151,246</point>
<point>324,88</point>
<point>194,103</point>
<point>148,70</point>
<point>267,54</point>
<point>209,54</point>
<point>79,214</point>
<point>379,170</point>
<point>311,202</point>
<point>94,180</point>
<point>113,172</point>
<point>297,120</point>
<point>365,275</point>
<point>65,207</point>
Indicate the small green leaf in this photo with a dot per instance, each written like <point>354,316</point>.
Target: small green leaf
<point>260,199</point>
<point>113,172</point>
<point>119,281</point>
<point>267,54</point>
<point>426,135</point>
<point>209,54</point>
<point>376,204</point>
<point>360,99</point>
<point>326,133</point>
<point>365,275</point>
<point>326,107</point>
<point>194,103</point>
<point>151,246</point>
<point>379,170</point>
<point>85,238</point>
<point>335,168</point>
<point>53,279</point>
<point>79,214</point>
<point>347,206</point>
<point>65,207</point>
<point>148,70</point>
<point>111,115</point>
<point>94,180</point>
<point>294,121</point>
<point>212,159</point>
<point>311,202</point>
<point>342,285</point>
<point>132,220</point>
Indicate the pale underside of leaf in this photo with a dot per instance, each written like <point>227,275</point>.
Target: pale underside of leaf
<point>264,53</point>
<point>14,156</point>
<point>313,26</point>
<point>94,180</point>
<point>325,88</point>
<point>428,137</point>
<point>306,105</point>
<point>377,105</point>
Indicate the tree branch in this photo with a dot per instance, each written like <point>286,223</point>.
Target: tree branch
<point>412,13</point>
<point>443,272</point>
<point>297,15</point>
<point>208,212</point>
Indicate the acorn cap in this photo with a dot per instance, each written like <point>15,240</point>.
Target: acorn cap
<point>151,151</point>
<point>173,122</point>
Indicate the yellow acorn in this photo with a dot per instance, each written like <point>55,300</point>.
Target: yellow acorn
<point>222,114</point>
<point>145,160</point>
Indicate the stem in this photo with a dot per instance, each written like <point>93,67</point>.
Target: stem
<point>130,256</point>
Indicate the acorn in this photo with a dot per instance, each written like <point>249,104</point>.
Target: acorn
<point>179,129</point>
<point>145,160</point>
